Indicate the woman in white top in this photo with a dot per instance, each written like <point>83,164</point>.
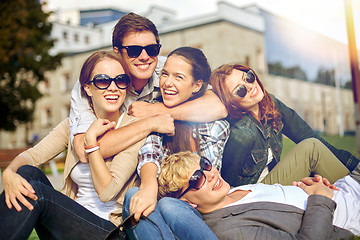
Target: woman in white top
<point>94,190</point>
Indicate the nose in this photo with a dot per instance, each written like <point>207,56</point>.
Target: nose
<point>143,55</point>
<point>112,86</point>
<point>209,175</point>
<point>249,86</point>
<point>168,81</point>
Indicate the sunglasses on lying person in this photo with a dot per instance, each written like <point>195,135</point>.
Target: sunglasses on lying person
<point>134,51</point>
<point>249,78</point>
<point>103,81</point>
<point>197,180</point>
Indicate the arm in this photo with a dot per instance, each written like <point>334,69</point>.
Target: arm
<point>15,186</point>
<point>150,155</point>
<point>80,119</point>
<point>213,137</point>
<point>207,108</point>
<point>119,139</point>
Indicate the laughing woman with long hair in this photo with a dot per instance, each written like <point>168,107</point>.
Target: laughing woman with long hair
<point>258,121</point>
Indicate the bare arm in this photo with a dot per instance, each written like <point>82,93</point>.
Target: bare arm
<point>207,108</point>
<point>119,139</point>
<point>144,201</point>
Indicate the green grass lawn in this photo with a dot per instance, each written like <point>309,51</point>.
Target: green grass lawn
<point>346,142</point>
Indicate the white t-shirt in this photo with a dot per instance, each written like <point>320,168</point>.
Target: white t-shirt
<point>86,195</point>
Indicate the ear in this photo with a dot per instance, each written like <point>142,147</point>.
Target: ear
<point>116,49</point>
<point>197,86</point>
<point>191,203</point>
<point>87,90</point>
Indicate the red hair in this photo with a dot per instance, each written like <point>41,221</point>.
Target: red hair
<point>267,109</point>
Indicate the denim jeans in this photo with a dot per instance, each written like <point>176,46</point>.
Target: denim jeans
<point>55,216</point>
<point>176,219</point>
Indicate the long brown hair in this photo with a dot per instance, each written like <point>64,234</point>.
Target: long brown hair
<point>183,139</point>
<point>267,109</point>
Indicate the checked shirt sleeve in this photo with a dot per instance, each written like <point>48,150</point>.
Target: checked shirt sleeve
<point>213,137</point>
<point>151,151</point>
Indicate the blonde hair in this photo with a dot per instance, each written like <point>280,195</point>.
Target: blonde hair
<point>175,173</point>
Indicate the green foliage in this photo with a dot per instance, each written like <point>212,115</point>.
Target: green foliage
<point>24,57</point>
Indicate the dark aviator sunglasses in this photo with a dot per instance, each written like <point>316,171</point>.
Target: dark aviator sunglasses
<point>197,180</point>
<point>134,51</point>
<point>103,81</point>
<point>249,78</point>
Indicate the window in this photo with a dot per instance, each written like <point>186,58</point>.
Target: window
<point>76,37</point>
<point>87,39</point>
<point>67,81</point>
<point>65,35</point>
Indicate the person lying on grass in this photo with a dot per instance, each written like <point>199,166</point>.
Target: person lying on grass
<point>310,209</point>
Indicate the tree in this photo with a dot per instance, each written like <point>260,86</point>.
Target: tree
<point>24,58</point>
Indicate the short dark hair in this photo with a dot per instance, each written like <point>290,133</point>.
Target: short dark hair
<point>132,22</point>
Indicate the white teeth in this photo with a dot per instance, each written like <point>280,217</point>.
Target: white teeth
<point>217,184</point>
<point>143,67</point>
<point>111,97</point>
<point>169,92</point>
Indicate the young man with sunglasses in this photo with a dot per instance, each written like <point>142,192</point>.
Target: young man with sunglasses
<point>136,39</point>
<point>305,210</point>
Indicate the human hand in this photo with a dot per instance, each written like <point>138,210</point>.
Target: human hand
<point>143,202</point>
<point>16,189</point>
<point>315,185</point>
<point>318,178</point>
<point>163,123</point>
<point>142,109</point>
<point>97,129</point>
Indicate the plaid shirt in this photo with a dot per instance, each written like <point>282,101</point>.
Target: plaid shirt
<point>212,135</point>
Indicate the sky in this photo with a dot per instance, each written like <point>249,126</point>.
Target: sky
<point>324,16</point>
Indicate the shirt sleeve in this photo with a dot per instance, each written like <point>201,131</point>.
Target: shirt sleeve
<point>151,151</point>
<point>213,137</point>
<point>81,115</point>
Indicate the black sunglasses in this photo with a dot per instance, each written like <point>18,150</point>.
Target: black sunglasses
<point>103,81</point>
<point>249,78</point>
<point>197,180</point>
<point>135,50</point>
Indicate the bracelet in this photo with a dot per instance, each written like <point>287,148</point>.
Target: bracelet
<point>92,146</point>
<point>90,150</point>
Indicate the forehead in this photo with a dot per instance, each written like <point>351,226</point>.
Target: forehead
<point>108,66</point>
<point>141,38</point>
<point>178,62</point>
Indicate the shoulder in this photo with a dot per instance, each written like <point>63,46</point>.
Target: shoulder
<point>215,128</point>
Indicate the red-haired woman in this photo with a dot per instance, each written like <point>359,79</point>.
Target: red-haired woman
<point>258,121</point>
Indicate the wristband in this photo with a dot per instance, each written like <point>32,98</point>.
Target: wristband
<point>90,150</point>
<point>92,146</point>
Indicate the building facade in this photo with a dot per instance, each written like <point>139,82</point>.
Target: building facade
<point>230,34</point>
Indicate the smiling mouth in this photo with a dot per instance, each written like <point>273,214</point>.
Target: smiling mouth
<point>172,93</point>
<point>112,97</point>
<point>218,184</point>
<point>143,66</point>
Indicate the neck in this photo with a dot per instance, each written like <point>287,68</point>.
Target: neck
<point>228,199</point>
<point>111,116</point>
<point>139,84</point>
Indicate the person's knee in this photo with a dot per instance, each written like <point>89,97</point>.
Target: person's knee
<point>30,172</point>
